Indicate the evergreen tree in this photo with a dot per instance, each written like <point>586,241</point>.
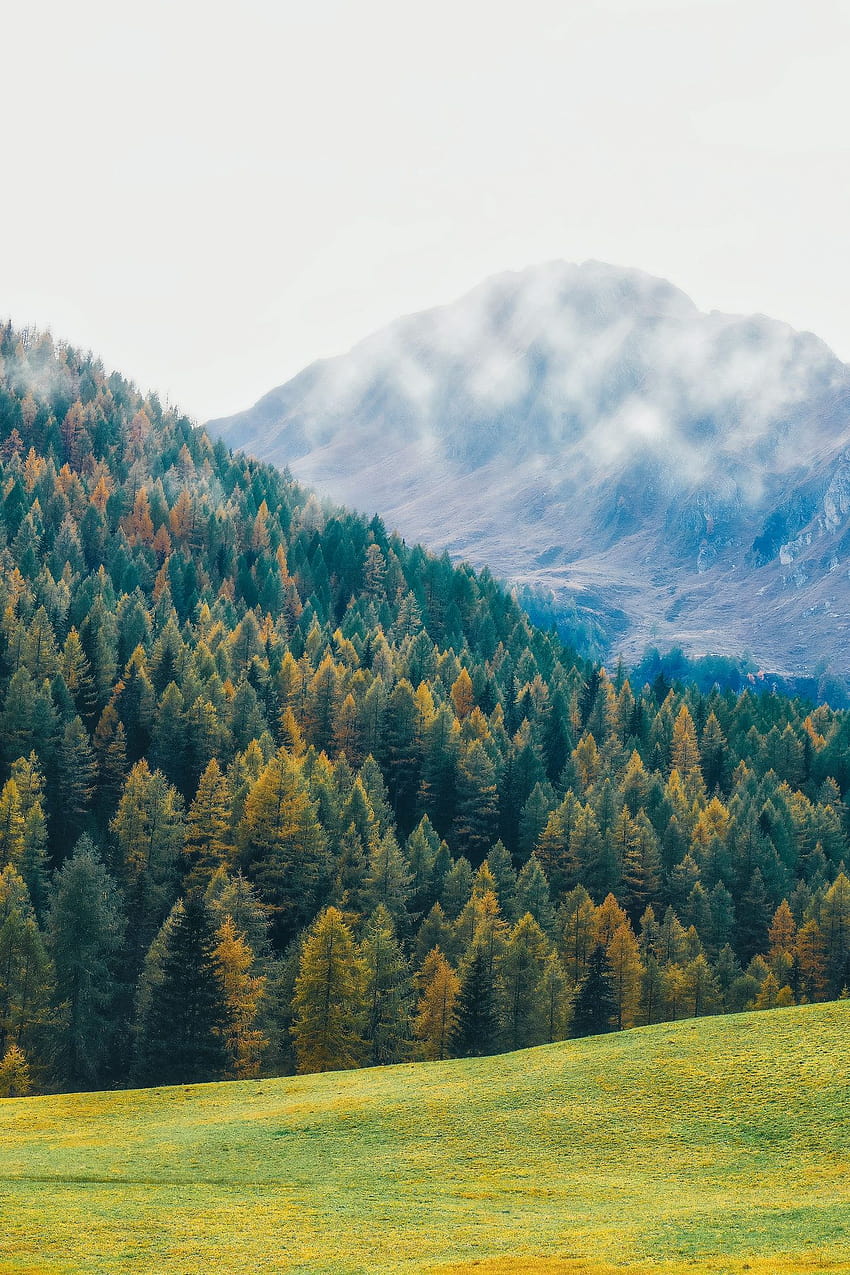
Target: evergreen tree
<point>15,1080</point>
<point>457,888</point>
<point>77,775</point>
<point>532,895</point>
<point>208,845</point>
<point>504,877</point>
<point>594,1006</point>
<point>754,913</point>
<point>478,1002</point>
<point>85,928</point>
<point>554,1000</point>
<point>388,992</point>
<point>577,925</point>
<point>282,845</point>
<point>26,976</point>
<point>148,832</point>
<point>477,803</point>
<point>11,825</point>
<point>182,1032</point>
<point>523,1017</point>
<point>624,961</point>
<point>435,931</point>
<point>388,879</point>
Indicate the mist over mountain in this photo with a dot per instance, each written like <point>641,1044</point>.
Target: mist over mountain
<point>683,477</point>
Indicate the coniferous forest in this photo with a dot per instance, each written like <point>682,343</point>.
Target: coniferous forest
<point>281,793</point>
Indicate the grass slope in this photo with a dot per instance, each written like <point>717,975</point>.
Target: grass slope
<point>719,1145</point>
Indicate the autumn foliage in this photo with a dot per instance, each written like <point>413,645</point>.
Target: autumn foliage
<point>336,800</point>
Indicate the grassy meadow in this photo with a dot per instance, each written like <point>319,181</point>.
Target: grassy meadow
<point>716,1145</point>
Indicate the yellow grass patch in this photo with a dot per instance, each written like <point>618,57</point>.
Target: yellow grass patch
<point>719,1146</point>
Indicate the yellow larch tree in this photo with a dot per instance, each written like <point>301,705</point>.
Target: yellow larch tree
<point>436,1012</point>
<point>243,994</point>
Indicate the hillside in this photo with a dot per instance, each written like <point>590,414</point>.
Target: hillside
<point>714,1146</point>
<point>680,476</point>
<point>253,748</point>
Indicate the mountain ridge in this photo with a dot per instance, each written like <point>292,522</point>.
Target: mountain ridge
<point>588,431</point>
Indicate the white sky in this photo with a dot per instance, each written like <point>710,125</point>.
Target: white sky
<point>212,195</point>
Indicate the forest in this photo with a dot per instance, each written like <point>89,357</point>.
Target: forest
<point>282,793</point>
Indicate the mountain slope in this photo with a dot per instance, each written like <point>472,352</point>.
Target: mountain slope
<point>718,1145</point>
<point>587,430</point>
<point>236,721</point>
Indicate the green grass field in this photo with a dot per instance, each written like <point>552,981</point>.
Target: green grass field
<point>718,1145</point>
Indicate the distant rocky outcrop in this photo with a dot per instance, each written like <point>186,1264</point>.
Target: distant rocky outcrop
<point>585,429</point>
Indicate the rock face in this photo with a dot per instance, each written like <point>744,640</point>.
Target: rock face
<point>586,429</point>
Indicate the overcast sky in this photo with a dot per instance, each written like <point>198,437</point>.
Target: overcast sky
<point>210,196</point>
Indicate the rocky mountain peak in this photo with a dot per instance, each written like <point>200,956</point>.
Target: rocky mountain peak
<point>586,429</point>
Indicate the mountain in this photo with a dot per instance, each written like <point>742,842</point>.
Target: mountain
<point>682,477</point>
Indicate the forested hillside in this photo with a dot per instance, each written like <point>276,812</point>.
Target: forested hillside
<point>280,792</point>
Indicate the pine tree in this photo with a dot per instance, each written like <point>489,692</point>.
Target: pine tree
<point>554,999</point>
<point>388,879</point>
<point>17,720</point>
<point>754,914</point>
<point>521,975</point>
<point>577,926</point>
<point>209,844</point>
<point>782,935</point>
<point>11,825</point>
<point>169,736</point>
<point>110,750</point>
<point>685,750</point>
<point>403,754</point>
<point>420,852</point>
<point>835,927</point>
<point>457,888</point>
<point>26,976</point>
<point>232,896</point>
<point>85,928</point>
<point>76,671</point>
<point>532,895</point>
<point>700,986</point>
<point>77,775</point>
<point>477,803</point>
<point>282,845</point>
<point>388,991</point>
<point>641,868</point>
<point>181,1034</point>
<point>463,696</point>
<point>478,1003</point>
<point>534,817</point>
<point>435,931</point>
<point>501,867</point>
<point>811,959</point>
<point>594,1006</point>
<point>652,989</point>
<point>626,971</point>
<point>148,831</point>
<point>556,851</point>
